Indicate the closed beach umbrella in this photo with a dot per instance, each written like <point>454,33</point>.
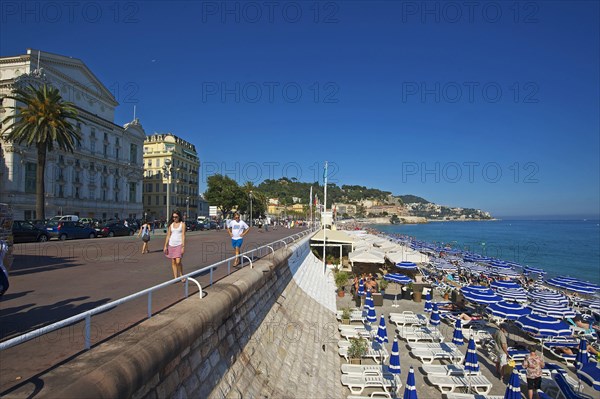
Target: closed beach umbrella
<point>395,358</point>
<point>552,309</point>
<point>435,316</point>
<point>428,306</point>
<point>457,337</point>
<point>370,308</point>
<point>361,287</point>
<point>582,356</point>
<point>572,284</point>
<point>381,331</point>
<point>410,391</point>
<point>513,389</point>
<point>590,373</point>
<point>471,360</point>
<point>508,310</point>
<point>543,326</point>
<point>533,270</point>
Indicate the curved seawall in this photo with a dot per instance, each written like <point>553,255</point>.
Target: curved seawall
<point>257,333</point>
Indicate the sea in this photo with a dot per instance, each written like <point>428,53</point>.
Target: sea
<point>560,247</point>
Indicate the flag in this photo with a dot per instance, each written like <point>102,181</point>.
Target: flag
<point>325,173</point>
<point>310,201</point>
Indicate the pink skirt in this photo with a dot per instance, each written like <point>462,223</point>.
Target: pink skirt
<point>174,252</point>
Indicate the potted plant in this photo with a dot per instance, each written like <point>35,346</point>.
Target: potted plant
<point>358,348</point>
<point>341,279</point>
<point>383,283</point>
<point>346,315</point>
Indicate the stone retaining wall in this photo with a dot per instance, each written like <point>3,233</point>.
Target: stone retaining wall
<point>250,337</point>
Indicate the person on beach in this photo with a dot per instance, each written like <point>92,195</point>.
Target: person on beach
<point>533,365</point>
<point>145,234</point>
<point>237,229</point>
<point>501,347</point>
<point>175,243</point>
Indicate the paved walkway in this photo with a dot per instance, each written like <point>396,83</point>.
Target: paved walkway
<point>55,280</point>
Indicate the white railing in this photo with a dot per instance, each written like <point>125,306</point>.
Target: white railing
<point>87,315</point>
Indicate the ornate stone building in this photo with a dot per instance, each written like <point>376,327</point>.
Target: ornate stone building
<point>183,181</point>
<point>103,177</point>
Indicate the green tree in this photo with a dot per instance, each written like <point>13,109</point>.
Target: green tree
<point>224,193</point>
<point>42,120</point>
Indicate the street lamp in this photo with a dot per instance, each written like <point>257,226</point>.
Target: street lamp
<point>250,208</point>
<point>167,173</point>
<point>187,205</point>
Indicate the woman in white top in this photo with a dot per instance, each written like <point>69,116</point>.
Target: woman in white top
<point>175,243</point>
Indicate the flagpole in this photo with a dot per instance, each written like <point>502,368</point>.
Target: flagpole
<point>323,217</point>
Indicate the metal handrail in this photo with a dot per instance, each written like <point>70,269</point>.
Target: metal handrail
<point>148,291</point>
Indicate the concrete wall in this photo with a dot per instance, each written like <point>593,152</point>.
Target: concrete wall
<point>256,334</point>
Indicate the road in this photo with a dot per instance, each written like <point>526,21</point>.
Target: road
<point>58,279</point>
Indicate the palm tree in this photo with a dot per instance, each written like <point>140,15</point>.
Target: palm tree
<point>42,119</point>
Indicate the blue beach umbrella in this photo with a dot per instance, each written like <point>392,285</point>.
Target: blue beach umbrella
<point>513,389</point>
<point>513,294</point>
<point>543,326</point>
<point>361,287</point>
<point>410,390</point>
<point>457,337</point>
<point>381,331</point>
<point>406,265</point>
<point>397,278</point>
<point>552,309</point>
<point>370,308</point>
<point>548,295</point>
<point>504,284</point>
<point>533,270</point>
<point>394,367</point>
<point>571,284</point>
<point>435,316</point>
<point>428,306</point>
<point>590,373</point>
<point>482,297</point>
<point>471,360</point>
<point>582,356</point>
<point>508,310</point>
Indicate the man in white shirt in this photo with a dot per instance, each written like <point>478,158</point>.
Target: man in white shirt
<point>237,229</point>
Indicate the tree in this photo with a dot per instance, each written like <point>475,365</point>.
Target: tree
<point>224,193</point>
<point>42,119</point>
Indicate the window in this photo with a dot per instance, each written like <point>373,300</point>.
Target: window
<point>61,191</point>
<point>133,154</point>
<point>117,143</point>
<point>116,197</point>
<point>149,162</point>
<point>29,215</point>
<point>93,147</point>
<point>30,177</point>
<point>149,187</point>
<point>164,188</point>
<point>104,199</point>
<point>76,178</point>
<point>164,200</point>
<point>117,151</point>
<point>105,136</point>
<point>157,188</point>
<point>156,199</point>
<point>105,150</point>
<point>77,192</point>
<point>132,192</point>
<point>149,200</point>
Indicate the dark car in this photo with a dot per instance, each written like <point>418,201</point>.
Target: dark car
<point>68,230</point>
<point>212,225</point>
<point>192,225</point>
<point>26,232</point>
<point>115,229</point>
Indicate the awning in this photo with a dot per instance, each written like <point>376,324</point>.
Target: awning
<point>332,236</point>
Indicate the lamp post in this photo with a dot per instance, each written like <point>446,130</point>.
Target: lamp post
<point>187,205</point>
<point>250,208</point>
<point>167,173</point>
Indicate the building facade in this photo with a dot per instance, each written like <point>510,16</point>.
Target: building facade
<point>103,177</point>
<point>183,179</point>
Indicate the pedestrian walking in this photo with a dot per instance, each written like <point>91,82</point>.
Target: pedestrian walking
<point>145,234</point>
<point>237,229</point>
<point>175,243</point>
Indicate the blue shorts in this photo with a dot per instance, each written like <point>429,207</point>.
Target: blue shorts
<point>236,243</point>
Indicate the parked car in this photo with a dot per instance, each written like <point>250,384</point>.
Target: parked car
<point>26,232</point>
<point>65,218</point>
<point>192,225</point>
<point>68,230</point>
<point>115,229</point>
<point>39,223</point>
<point>212,225</point>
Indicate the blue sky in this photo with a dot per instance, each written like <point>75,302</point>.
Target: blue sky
<point>494,106</point>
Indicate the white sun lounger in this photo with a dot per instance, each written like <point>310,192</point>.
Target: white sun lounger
<point>361,368</point>
<point>448,384</point>
<point>374,395</point>
<point>427,356</point>
<point>419,336</point>
<point>357,333</point>
<point>432,345</point>
<point>379,355</point>
<point>471,396</point>
<point>479,335</point>
<point>355,315</point>
<point>357,383</point>
<point>450,369</point>
<point>408,320</point>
